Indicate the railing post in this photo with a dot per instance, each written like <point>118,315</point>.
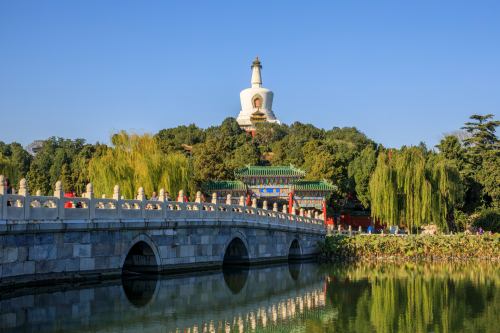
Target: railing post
<point>59,194</point>
<point>162,198</point>
<point>284,209</point>
<point>89,194</point>
<point>228,199</point>
<point>3,192</point>
<point>142,197</point>
<point>264,205</point>
<point>180,196</point>
<point>275,207</point>
<point>242,201</point>
<point>254,202</point>
<point>214,198</point>
<point>118,204</point>
<point>23,191</point>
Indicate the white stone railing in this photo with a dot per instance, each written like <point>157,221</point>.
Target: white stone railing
<point>23,207</point>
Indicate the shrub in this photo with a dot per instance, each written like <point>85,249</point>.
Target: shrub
<point>488,219</point>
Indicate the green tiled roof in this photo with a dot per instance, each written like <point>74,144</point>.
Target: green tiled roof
<point>270,171</point>
<point>313,185</point>
<point>231,185</point>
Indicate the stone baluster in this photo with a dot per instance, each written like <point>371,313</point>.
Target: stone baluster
<point>161,196</point>
<point>3,186</point>
<point>301,212</point>
<point>254,202</point>
<point>242,201</point>
<point>350,230</point>
<point>23,191</point>
<point>198,197</point>
<point>294,210</point>
<point>214,198</point>
<point>59,194</point>
<point>38,193</point>
<point>339,228</point>
<point>275,207</point>
<point>316,215</point>
<point>23,188</point>
<point>360,230</point>
<point>140,194</point>
<point>180,196</point>
<point>228,199</point>
<point>117,197</point>
<point>285,209</point>
<point>89,191</point>
<point>264,205</point>
<point>116,192</point>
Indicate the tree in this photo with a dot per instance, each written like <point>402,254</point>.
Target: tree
<point>361,169</point>
<point>412,187</point>
<point>137,161</point>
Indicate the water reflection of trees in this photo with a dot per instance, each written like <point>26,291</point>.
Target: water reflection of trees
<point>415,298</point>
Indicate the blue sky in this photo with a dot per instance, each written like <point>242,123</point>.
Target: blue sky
<point>400,71</point>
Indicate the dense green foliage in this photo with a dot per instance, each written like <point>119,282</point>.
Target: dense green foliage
<point>428,247</point>
<point>137,161</point>
<point>410,187</point>
<point>413,187</point>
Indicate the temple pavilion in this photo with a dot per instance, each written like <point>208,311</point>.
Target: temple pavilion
<point>281,184</point>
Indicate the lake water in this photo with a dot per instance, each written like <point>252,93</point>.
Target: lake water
<point>287,298</point>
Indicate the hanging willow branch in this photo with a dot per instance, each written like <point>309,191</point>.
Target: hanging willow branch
<point>136,161</point>
<point>412,188</point>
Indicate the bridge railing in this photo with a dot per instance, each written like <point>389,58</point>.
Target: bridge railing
<point>26,208</point>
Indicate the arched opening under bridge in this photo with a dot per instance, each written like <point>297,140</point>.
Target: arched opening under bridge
<point>294,253</point>
<point>236,253</point>
<point>140,259</point>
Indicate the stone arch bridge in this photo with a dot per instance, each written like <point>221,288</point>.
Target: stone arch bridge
<point>54,237</point>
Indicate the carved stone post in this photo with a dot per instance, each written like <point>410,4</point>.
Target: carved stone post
<point>228,199</point>
<point>89,194</point>
<point>360,230</point>
<point>301,212</point>
<point>140,194</point>
<point>38,193</point>
<point>242,201</point>
<point>59,193</point>
<point>214,198</point>
<point>264,205</point>
<point>3,187</point>
<point>116,192</point>
<point>285,209</point>
<point>23,189</point>
<point>254,202</point>
<point>275,207</point>
<point>198,197</point>
<point>350,230</point>
<point>161,196</point>
<point>180,196</point>
<point>118,204</point>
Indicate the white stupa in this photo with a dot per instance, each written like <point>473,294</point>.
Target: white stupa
<point>256,102</point>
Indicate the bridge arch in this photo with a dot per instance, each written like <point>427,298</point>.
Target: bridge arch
<point>236,252</point>
<point>142,256</point>
<point>294,250</point>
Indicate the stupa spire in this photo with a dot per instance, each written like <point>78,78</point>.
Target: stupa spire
<point>256,76</point>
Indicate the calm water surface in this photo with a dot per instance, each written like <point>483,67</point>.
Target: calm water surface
<point>287,298</point>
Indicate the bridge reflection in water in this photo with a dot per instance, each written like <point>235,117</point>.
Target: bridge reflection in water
<point>236,299</point>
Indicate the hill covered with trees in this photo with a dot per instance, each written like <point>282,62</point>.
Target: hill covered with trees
<point>451,186</point>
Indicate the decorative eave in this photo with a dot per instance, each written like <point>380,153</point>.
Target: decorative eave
<point>224,185</point>
<point>269,171</point>
<point>313,186</point>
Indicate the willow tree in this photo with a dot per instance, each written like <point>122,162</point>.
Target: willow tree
<point>135,161</point>
<point>412,187</point>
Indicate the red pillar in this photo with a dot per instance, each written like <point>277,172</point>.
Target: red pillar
<point>290,202</point>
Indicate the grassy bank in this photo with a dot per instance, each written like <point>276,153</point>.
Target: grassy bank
<point>413,247</point>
